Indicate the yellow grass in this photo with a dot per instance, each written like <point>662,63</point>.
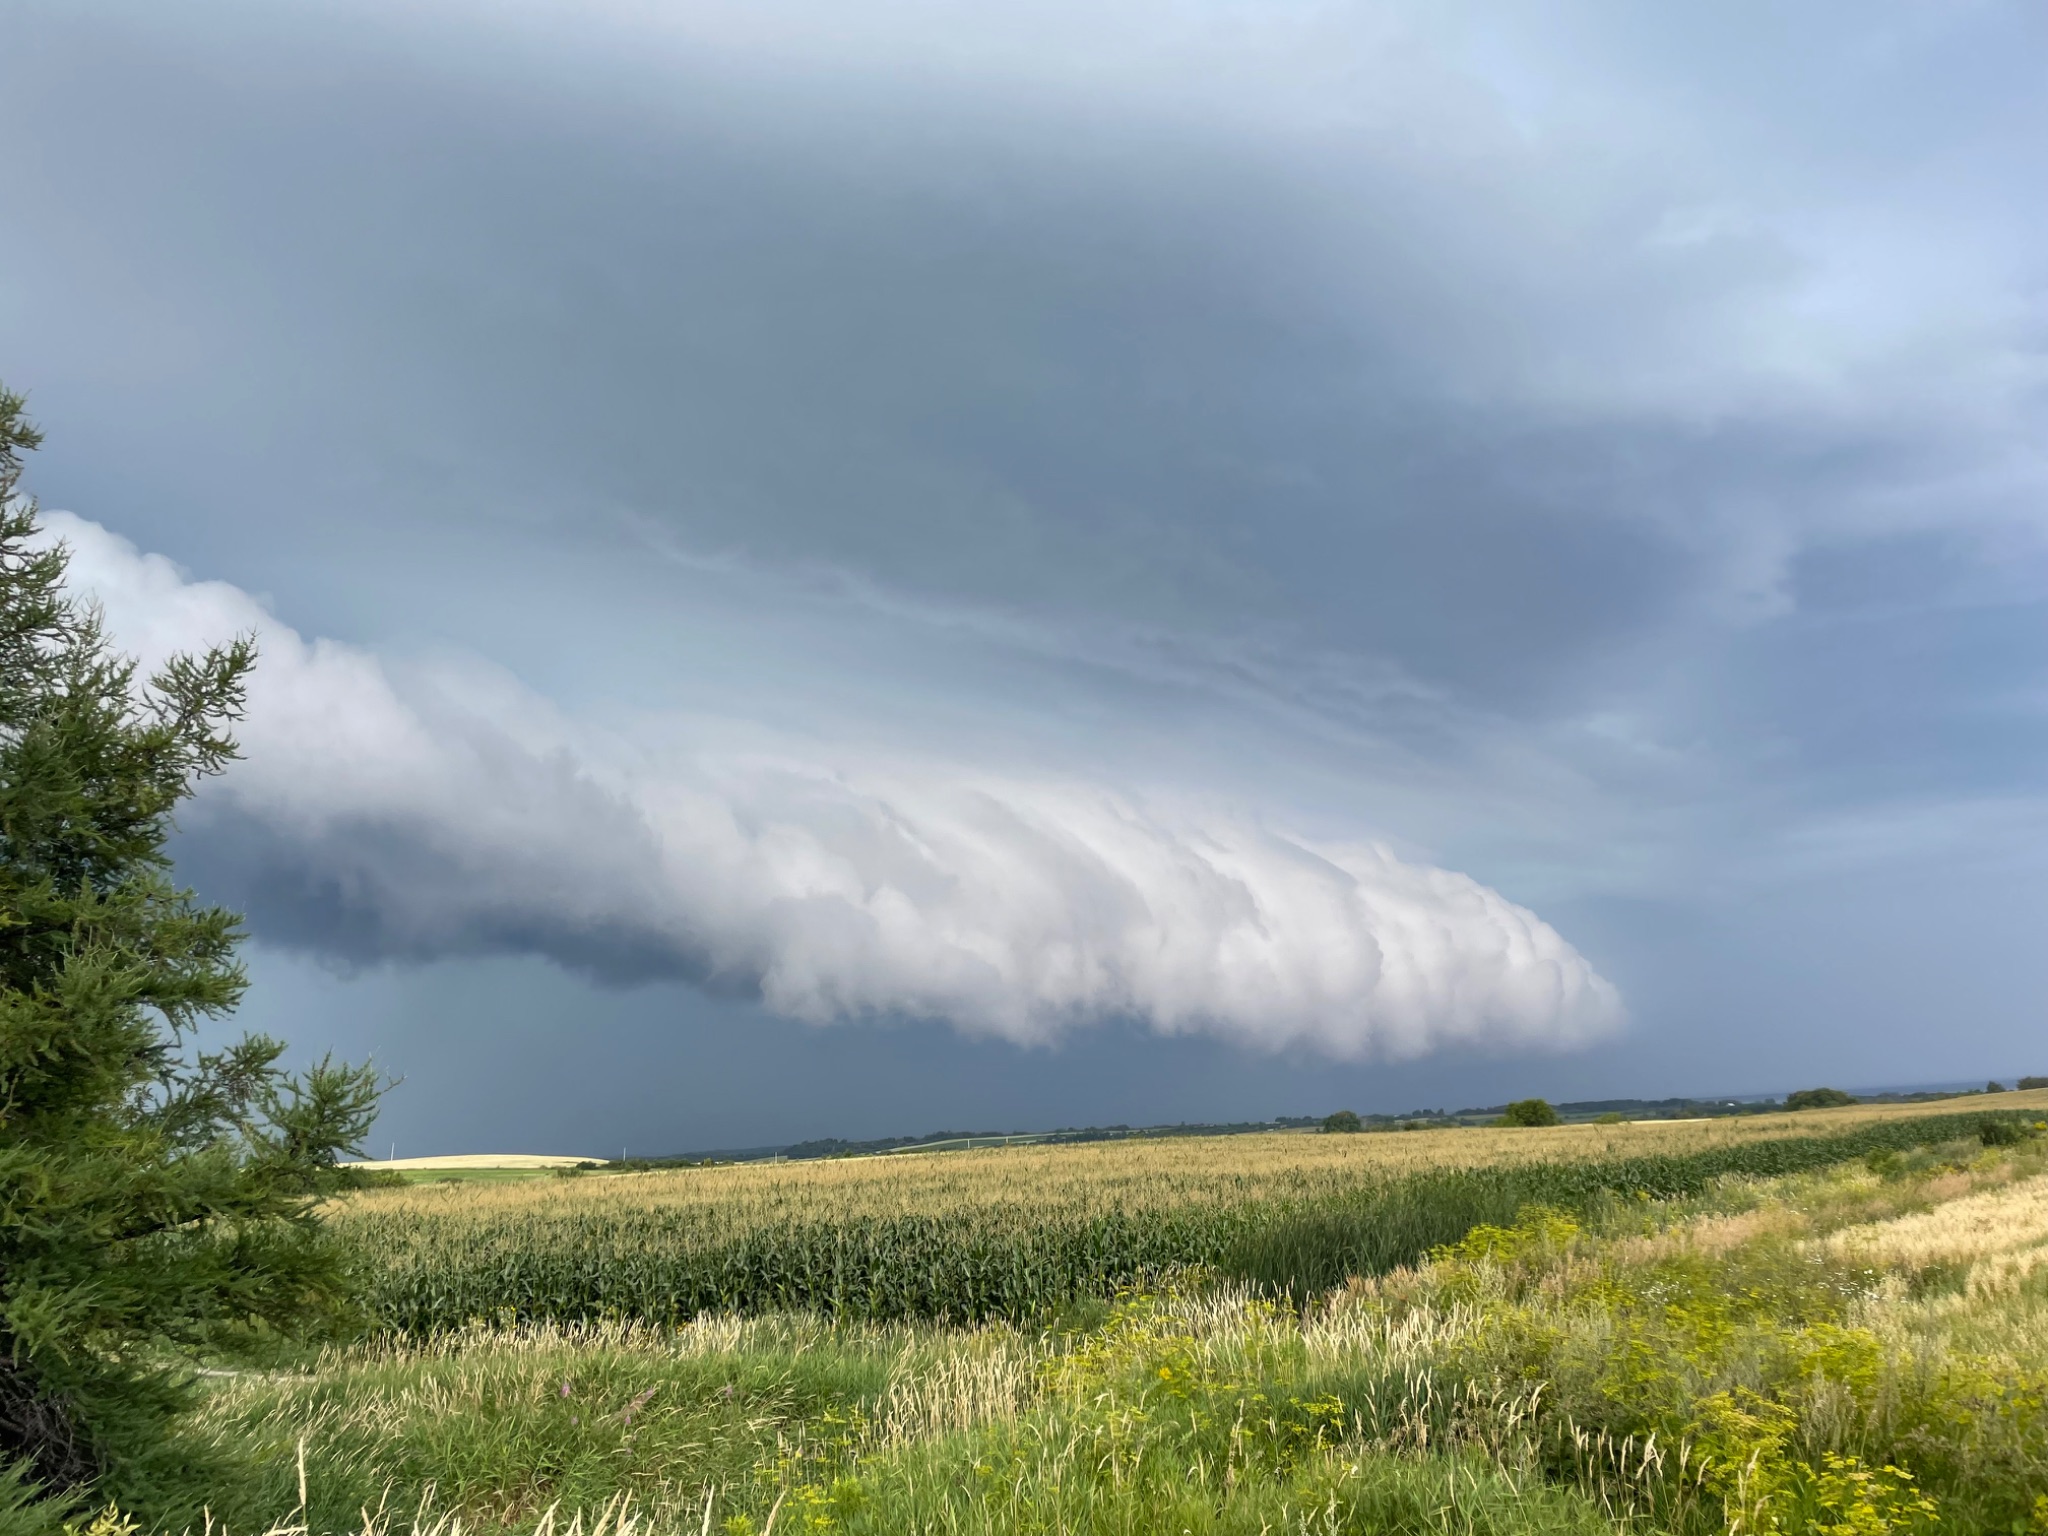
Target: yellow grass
<point>2001,1233</point>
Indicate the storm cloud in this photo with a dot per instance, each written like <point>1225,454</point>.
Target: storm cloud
<point>465,815</point>
<point>1031,513</point>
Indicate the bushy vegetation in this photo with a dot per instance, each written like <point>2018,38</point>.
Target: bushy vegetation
<point>1529,1112</point>
<point>1818,1098</point>
<point>1816,1369</point>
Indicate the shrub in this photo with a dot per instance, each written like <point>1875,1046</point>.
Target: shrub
<point>1998,1132</point>
<point>1888,1164</point>
<point>1344,1120</point>
<point>2033,1082</point>
<point>1818,1098</point>
<point>1530,1112</point>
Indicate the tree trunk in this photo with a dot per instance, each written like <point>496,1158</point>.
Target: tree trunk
<point>41,1431</point>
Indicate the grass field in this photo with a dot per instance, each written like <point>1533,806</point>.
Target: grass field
<point>1147,1172</point>
<point>1013,1232</point>
<point>1835,1324</point>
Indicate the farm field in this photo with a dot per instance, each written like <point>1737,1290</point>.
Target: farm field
<point>481,1168</point>
<point>1008,1233</point>
<point>1220,1167</point>
<point>1858,1344</point>
<point>474,1162</point>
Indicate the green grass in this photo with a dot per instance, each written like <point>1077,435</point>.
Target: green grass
<point>853,1429</point>
<point>1666,1366</point>
<point>513,1426</point>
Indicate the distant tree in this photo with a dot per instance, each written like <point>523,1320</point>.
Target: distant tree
<point>153,1198</point>
<point>1529,1112</point>
<point>2027,1083</point>
<point>1344,1120</point>
<point>1994,1086</point>
<point>1818,1098</point>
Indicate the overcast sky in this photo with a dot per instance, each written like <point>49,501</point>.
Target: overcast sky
<point>837,569</point>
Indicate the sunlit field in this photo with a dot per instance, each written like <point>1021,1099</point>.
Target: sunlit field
<point>969,1236</point>
<point>1859,1345</point>
<point>1140,1171</point>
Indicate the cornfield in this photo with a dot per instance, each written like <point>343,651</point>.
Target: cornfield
<point>961,1239</point>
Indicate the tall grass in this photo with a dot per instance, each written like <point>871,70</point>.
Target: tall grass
<point>1765,1355</point>
<point>494,1257</point>
<point>865,1432</point>
<point>1307,1248</point>
<point>1861,1346</point>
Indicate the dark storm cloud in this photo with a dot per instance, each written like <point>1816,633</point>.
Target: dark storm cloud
<point>366,893</point>
<point>1604,453</point>
<point>1084,363</point>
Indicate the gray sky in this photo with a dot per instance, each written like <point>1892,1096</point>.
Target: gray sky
<point>844,569</point>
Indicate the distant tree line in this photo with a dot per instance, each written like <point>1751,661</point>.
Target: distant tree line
<point>1818,1098</point>
<point>1536,1112</point>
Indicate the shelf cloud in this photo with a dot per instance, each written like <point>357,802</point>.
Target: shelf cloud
<point>391,814</point>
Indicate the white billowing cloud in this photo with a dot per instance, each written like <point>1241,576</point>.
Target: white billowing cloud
<point>451,810</point>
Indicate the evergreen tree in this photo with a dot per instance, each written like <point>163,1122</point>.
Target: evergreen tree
<point>156,1199</point>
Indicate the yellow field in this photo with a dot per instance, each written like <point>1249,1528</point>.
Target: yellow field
<point>1118,1175</point>
<point>467,1162</point>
